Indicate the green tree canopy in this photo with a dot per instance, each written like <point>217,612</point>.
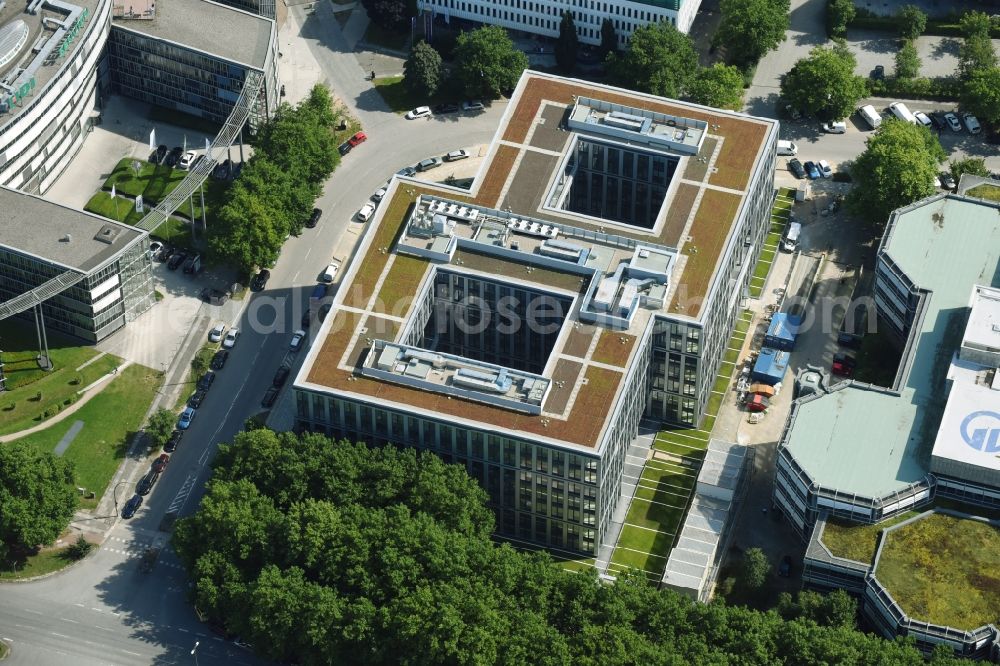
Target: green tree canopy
<point>160,425</point>
<point>751,28</point>
<point>323,552</point>
<point>912,21</point>
<point>609,39</point>
<point>486,62</point>
<point>907,61</point>
<point>37,498</point>
<point>422,73</point>
<point>388,14</point>
<point>718,86</point>
<point>975,53</point>
<point>976,24</point>
<point>755,568</point>
<point>838,14</point>
<point>660,60</point>
<point>824,83</point>
<point>897,168</point>
<point>974,166</point>
<point>567,44</point>
<point>981,94</point>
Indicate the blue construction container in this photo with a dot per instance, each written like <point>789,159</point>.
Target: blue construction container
<point>782,332</point>
<point>770,366</point>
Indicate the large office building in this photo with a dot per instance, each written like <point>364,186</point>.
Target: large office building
<point>513,329</point>
<point>542,17</point>
<point>40,240</point>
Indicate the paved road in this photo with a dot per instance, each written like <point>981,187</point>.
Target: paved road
<point>104,611</point>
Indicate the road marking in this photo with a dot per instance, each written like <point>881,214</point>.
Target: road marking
<point>184,630</point>
<point>80,605</point>
<point>132,653</point>
<point>99,610</point>
<point>59,635</point>
<point>66,619</point>
<point>182,494</point>
<point>33,612</point>
<point>7,639</point>
<point>103,628</point>
<point>204,456</point>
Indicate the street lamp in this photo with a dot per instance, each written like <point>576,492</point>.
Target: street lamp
<point>194,651</point>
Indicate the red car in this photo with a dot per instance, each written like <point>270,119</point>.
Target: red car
<point>160,463</point>
<point>357,139</point>
<point>843,365</point>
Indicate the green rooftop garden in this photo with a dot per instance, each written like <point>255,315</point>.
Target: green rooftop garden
<point>857,542</point>
<point>944,570</point>
<point>985,191</point>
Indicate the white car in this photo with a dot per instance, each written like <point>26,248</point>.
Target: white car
<point>379,193</point>
<point>971,123</point>
<point>456,155</point>
<point>216,333</point>
<point>952,121</point>
<point>824,168</point>
<point>473,105</point>
<point>155,248</point>
<point>419,112</point>
<point>835,128</point>
<point>187,160</point>
<point>297,339</point>
<point>230,339</point>
<point>329,273</point>
<point>923,118</point>
<point>366,212</point>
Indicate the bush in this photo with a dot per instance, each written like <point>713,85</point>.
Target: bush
<point>865,20</point>
<point>842,177</point>
<point>945,89</point>
<point>79,550</point>
<point>839,14</point>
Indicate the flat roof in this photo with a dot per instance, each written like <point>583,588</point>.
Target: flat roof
<point>40,228</point>
<point>220,30</point>
<point>550,251</point>
<point>869,441</point>
<point>983,328</point>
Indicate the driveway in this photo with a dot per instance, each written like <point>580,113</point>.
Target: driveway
<point>938,55</point>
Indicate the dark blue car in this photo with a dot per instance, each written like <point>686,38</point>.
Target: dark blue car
<point>131,506</point>
<point>812,170</point>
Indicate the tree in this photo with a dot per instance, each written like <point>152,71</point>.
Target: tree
<point>609,39</point>
<point>837,609</point>
<point>160,425</point>
<point>897,168</point>
<point>838,14</point>
<point>199,366</point>
<point>974,166</point>
<point>755,568</point>
<point>751,28</point>
<point>568,44</point>
<point>907,62</point>
<point>981,94</point>
<point>422,70</point>
<point>975,53</point>
<point>976,24</point>
<point>37,498</point>
<point>824,83</point>
<point>388,14</point>
<point>911,22</point>
<point>660,60</point>
<point>718,86</point>
<point>486,62</point>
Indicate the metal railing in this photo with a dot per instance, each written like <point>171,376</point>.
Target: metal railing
<point>161,212</point>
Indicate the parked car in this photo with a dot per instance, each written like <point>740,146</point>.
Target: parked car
<point>194,402</point>
<point>160,463</point>
<point>314,218</point>
<point>843,364</point>
<point>192,264</point>
<point>428,164</point>
<point>173,156</point>
<point>839,127</point>
<point>221,170</point>
<point>174,441</point>
<point>796,168</point>
<point>260,280</point>
<point>186,417</point>
<point>937,119</point>
<point>329,273</point>
<point>812,170</point>
<point>164,254</point>
<point>215,335</point>
<point>176,259</point>
<point>952,121</point>
<point>269,397</point>
<point>419,112</point>
<point>147,482</point>
<point>206,380</point>
<point>947,182</point>
<point>366,212</point>
<point>923,118</point>
<point>379,193</point>
<point>281,376</point>
<point>849,340</point>
<point>344,148</point>
<point>473,105</point>
<point>456,155</point>
<point>154,249</point>
<point>230,338</point>
<point>161,153</point>
<point>132,506</point>
<point>358,139</point>
<point>878,73</point>
<point>297,339</point>
<point>971,123</point>
<point>441,109</point>
<point>220,358</point>
<point>785,568</point>
<point>824,169</point>
<point>407,171</point>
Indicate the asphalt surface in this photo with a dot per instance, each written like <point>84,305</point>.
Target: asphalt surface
<point>104,610</point>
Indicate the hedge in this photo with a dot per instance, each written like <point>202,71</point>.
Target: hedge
<point>937,28</point>
<point>946,89</point>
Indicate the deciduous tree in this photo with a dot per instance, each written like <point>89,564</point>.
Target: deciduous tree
<point>976,53</point>
<point>981,94</point>
<point>838,14</point>
<point>824,83</point>
<point>486,62</point>
<point>388,14</point>
<point>160,425</point>
<point>718,86</point>
<point>422,70</point>
<point>660,60</point>
<point>907,61</point>
<point>609,39</point>
<point>37,498</point>
<point>751,28</point>
<point>976,24</point>
<point>567,44</point>
<point>974,166</point>
<point>912,21</point>
<point>755,568</point>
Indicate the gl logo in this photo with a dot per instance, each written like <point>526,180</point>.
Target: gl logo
<point>984,437</point>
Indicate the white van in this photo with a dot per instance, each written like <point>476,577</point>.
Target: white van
<point>791,241</point>
<point>787,149</point>
<point>899,110</point>
<point>870,116</point>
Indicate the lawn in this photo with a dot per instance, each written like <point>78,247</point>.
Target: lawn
<point>153,182</point>
<point>943,570</point>
<point>985,191</point>
<point>397,293</point>
<point>20,347</point>
<point>120,209</point>
<point>110,419</point>
<point>400,99</point>
<point>857,542</point>
<point>43,562</point>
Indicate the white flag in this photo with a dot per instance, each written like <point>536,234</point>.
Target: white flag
<point>152,139</point>
<point>208,145</point>
<point>112,191</point>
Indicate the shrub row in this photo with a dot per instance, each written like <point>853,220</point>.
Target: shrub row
<point>937,28</point>
<point>945,89</point>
